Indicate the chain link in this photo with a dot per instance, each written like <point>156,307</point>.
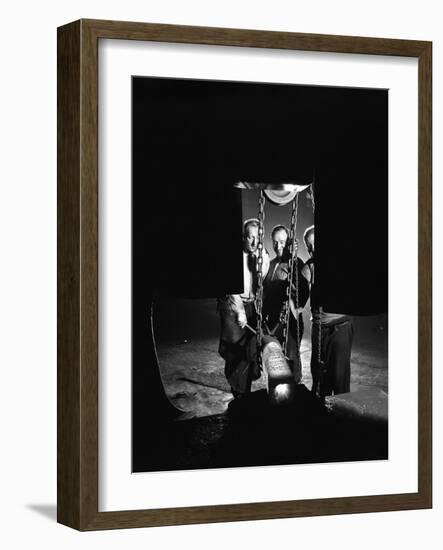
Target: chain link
<point>259,293</point>
<point>318,324</point>
<point>321,366</point>
<point>312,197</point>
<point>320,309</point>
<point>292,264</point>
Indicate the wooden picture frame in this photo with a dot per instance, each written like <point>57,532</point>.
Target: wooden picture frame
<point>78,274</point>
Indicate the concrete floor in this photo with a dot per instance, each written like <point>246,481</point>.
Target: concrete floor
<point>193,377</point>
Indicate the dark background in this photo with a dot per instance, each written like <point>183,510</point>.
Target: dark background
<point>192,141</point>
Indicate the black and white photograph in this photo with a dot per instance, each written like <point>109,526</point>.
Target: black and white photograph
<point>259,274</point>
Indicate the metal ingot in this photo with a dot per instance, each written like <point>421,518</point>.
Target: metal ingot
<point>278,374</point>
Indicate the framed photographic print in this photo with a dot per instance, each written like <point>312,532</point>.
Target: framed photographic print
<point>244,275</point>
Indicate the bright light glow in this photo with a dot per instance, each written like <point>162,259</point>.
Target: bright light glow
<point>281,390</point>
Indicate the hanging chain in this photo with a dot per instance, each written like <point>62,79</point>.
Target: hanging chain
<point>312,197</point>
<point>259,294</point>
<point>320,309</point>
<point>320,390</point>
<point>293,254</point>
<point>317,323</point>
